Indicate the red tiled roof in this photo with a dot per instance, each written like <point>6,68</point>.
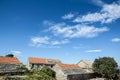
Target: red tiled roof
<point>43,60</point>
<point>68,66</point>
<point>54,61</point>
<point>9,60</point>
<point>37,60</point>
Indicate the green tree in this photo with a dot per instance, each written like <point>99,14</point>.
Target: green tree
<point>23,68</point>
<point>9,55</point>
<point>45,73</point>
<point>106,66</point>
<point>48,71</point>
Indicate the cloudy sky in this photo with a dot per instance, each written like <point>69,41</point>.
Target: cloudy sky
<point>69,30</point>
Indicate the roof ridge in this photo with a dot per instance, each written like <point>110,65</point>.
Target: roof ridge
<point>37,60</point>
<point>36,57</point>
<point>9,60</point>
<point>68,66</point>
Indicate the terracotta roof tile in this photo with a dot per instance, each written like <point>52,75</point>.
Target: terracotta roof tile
<point>53,61</point>
<point>68,66</point>
<point>37,60</point>
<point>44,60</point>
<point>8,60</point>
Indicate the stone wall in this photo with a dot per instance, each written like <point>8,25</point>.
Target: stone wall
<point>37,66</point>
<point>59,73</point>
<point>97,79</point>
<point>8,67</point>
<point>80,76</point>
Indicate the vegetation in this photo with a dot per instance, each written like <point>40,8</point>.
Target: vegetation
<point>48,71</point>
<point>9,55</point>
<point>23,68</point>
<point>43,74</point>
<point>106,66</point>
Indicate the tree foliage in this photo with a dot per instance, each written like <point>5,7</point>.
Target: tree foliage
<point>106,66</point>
<point>9,55</point>
<point>48,71</point>
<point>45,73</point>
<point>23,68</point>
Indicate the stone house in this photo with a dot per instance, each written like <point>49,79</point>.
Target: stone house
<point>70,72</point>
<point>37,63</point>
<point>86,65</point>
<point>8,64</point>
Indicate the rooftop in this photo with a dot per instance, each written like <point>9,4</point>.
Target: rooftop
<point>9,60</point>
<point>53,61</point>
<point>68,66</point>
<point>87,62</point>
<point>43,61</point>
<point>74,71</point>
<point>37,60</point>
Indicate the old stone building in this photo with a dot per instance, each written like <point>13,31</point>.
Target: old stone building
<point>86,65</point>
<point>8,64</point>
<point>37,63</point>
<point>70,72</point>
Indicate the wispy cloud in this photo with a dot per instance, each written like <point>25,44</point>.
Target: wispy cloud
<point>56,42</point>
<point>16,53</point>
<point>40,40</point>
<point>80,46</point>
<point>118,1</point>
<point>50,46</point>
<point>115,40</point>
<point>107,14</point>
<point>46,41</point>
<point>46,22</point>
<point>78,27</point>
<point>94,51</point>
<point>98,2</point>
<point>68,16</point>
<point>76,31</point>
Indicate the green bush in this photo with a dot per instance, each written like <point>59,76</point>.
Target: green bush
<point>45,73</point>
<point>48,71</point>
<point>106,66</point>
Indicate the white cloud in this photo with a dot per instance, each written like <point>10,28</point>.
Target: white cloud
<point>98,2</point>
<point>46,22</point>
<point>76,31</point>
<point>115,40</point>
<point>77,47</point>
<point>53,47</point>
<point>16,53</point>
<point>118,1</point>
<point>80,46</point>
<point>68,16</point>
<point>40,40</point>
<point>112,11</point>
<point>94,51</point>
<point>91,17</point>
<point>47,42</point>
<point>59,42</point>
<point>107,14</point>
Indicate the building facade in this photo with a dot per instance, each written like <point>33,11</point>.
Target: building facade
<point>8,64</point>
<point>70,72</point>
<point>86,65</point>
<point>38,63</point>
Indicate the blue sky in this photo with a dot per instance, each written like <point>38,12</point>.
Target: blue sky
<point>69,30</point>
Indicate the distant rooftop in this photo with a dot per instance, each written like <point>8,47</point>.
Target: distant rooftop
<point>43,60</point>
<point>87,62</point>
<point>9,60</point>
<point>74,71</point>
<point>68,66</point>
<point>70,69</point>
